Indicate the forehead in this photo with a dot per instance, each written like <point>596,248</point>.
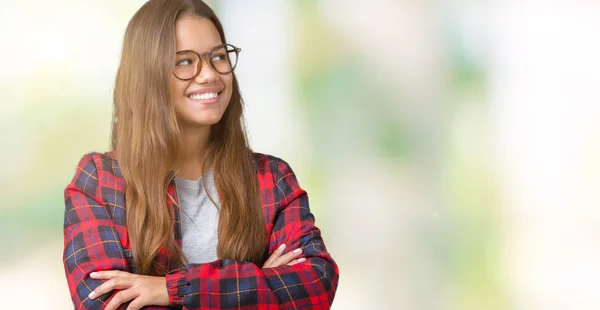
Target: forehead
<point>196,33</point>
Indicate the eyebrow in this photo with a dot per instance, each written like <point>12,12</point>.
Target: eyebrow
<point>212,48</point>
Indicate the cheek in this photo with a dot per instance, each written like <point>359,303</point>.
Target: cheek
<point>176,90</point>
<point>172,88</point>
<point>228,82</point>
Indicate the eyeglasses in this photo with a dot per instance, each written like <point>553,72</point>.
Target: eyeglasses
<point>221,58</point>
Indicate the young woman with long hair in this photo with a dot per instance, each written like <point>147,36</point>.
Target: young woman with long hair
<point>181,213</point>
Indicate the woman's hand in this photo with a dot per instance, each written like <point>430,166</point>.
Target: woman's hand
<point>277,259</point>
<point>149,290</point>
<point>143,290</point>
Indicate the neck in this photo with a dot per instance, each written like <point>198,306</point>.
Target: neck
<point>194,149</point>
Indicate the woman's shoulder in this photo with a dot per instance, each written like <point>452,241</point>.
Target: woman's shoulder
<point>97,191</point>
<point>96,164</point>
<point>272,165</point>
<point>277,177</point>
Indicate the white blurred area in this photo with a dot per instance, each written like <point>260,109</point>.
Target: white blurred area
<point>545,99</point>
<point>532,136</point>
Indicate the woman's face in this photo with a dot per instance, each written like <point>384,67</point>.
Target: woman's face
<point>194,100</point>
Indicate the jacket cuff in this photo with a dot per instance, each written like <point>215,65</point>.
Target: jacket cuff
<point>176,285</point>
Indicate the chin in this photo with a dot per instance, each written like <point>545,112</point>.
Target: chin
<point>203,120</point>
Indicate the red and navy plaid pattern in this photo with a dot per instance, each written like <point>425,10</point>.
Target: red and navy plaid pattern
<point>96,239</point>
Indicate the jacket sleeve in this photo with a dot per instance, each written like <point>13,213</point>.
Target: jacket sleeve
<point>91,239</point>
<point>227,283</point>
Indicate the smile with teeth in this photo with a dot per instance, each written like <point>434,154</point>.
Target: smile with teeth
<point>204,96</point>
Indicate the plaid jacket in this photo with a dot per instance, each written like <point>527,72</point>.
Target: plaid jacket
<point>95,236</point>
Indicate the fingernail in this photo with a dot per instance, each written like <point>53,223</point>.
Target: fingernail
<point>281,247</point>
<point>93,274</point>
<point>298,251</point>
<point>301,260</point>
<point>91,295</point>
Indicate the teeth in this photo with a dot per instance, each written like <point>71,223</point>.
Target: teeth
<point>204,96</point>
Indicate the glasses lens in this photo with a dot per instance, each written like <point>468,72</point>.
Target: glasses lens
<point>186,65</point>
<point>224,59</point>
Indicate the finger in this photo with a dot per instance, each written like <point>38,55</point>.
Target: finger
<point>274,256</point>
<point>112,284</point>
<point>109,274</point>
<point>296,261</point>
<point>288,257</point>
<point>138,303</point>
<point>122,297</point>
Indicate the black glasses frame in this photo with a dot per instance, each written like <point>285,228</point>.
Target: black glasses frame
<point>228,48</point>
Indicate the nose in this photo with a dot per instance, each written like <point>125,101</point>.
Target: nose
<point>207,74</point>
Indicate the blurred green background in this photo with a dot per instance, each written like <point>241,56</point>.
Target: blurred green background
<point>449,149</point>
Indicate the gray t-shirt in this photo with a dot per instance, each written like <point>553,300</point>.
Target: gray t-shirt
<point>199,218</point>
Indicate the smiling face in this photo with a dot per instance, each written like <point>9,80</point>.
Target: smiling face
<point>201,101</point>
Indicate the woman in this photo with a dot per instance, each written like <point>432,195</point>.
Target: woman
<point>181,212</point>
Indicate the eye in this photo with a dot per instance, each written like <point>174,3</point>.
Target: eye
<point>184,62</point>
<point>219,57</point>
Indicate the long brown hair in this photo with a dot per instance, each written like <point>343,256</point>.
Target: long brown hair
<point>146,140</point>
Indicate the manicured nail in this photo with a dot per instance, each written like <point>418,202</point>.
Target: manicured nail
<point>91,295</point>
<point>297,251</point>
<point>301,260</point>
<point>93,274</point>
<point>281,247</point>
